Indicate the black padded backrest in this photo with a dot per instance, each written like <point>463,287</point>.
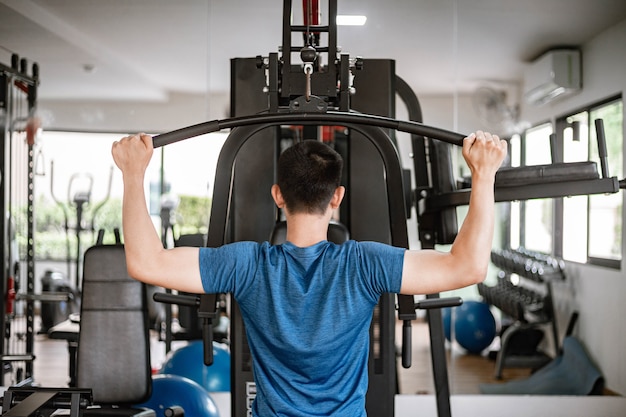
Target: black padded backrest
<point>196,240</point>
<point>337,233</point>
<point>114,344</point>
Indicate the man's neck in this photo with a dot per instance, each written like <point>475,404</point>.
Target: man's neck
<point>305,229</point>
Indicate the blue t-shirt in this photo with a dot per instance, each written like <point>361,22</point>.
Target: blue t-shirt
<point>307,313</point>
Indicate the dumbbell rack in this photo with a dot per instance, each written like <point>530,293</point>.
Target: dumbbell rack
<point>524,294</point>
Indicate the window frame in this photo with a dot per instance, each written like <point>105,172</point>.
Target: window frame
<point>559,125</point>
<point>523,241</point>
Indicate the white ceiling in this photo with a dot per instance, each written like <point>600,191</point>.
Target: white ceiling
<point>146,49</point>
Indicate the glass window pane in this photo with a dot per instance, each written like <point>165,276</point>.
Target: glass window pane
<point>189,174</point>
<point>75,176</point>
<point>605,211</point>
<point>515,225</point>
<point>515,148</point>
<point>575,149</point>
<point>537,145</point>
<point>612,116</point>
<point>538,225</point>
<point>575,228</point>
<point>537,214</point>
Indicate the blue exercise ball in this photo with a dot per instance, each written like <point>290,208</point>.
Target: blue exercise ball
<point>173,390</point>
<point>188,361</point>
<point>474,326</point>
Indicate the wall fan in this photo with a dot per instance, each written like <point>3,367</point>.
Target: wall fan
<point>493,110</point>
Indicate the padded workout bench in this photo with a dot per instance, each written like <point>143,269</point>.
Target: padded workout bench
<point>68,330</point>
<point>109,348</point>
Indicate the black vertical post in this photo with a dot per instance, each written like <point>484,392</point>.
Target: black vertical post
<point>602,152</point>
<point>435,326</point>
<point>4,99</point>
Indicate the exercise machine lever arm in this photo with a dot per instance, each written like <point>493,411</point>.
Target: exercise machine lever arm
<point>207,311</point>
<point>429,303</point>
<point>407,331</point>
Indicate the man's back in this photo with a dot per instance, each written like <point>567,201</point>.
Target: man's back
<point>307,313</point>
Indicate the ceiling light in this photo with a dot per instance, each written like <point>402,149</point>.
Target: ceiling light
<point>351,20</point>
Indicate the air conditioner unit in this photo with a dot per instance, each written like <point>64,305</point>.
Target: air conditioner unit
<point>555,74</point>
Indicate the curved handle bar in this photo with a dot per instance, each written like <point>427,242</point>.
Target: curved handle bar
<point>331,118</point>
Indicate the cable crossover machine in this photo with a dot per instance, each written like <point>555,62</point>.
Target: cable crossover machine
<point>327,95</point>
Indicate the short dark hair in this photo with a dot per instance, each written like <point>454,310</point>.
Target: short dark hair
<point>309,172</point>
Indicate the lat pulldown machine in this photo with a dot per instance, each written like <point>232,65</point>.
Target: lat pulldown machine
<point>358,95</point>
<point>270,92</point>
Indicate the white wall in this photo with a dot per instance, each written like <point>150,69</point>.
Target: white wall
<point>597,292</point>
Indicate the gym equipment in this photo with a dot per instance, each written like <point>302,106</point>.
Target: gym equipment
<point>79,190</point>
<point>116,368</point>
<point>328,117</point>
<point>474,326</point>
<point>187,362</point>
<point>18,129</point>
<point>269,92</point>
<point>26,401</point>
<point>527,303</point>
<point>54,312</point>
<point>189,326</point>
<point>174,395</point>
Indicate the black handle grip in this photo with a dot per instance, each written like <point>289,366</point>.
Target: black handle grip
<point>207,341</point>
<point>602,152</point>
<point>407,344</point>
<point>183,300</point>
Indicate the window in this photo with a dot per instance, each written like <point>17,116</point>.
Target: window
<point>590,227</point>
<point>605,211</point>
<point>575,208</point>
<point>77,167</point>
<point>533,216</point>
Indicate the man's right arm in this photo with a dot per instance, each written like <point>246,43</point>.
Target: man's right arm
<point>146,259</point>
<point>431,271</point>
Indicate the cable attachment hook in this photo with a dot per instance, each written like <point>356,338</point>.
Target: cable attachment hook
<point>308,55</point>
<point>308,70</point>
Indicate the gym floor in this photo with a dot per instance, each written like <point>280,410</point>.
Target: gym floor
<point>465,371</point>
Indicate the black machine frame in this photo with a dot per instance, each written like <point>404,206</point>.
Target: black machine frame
<point>18,100</point>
